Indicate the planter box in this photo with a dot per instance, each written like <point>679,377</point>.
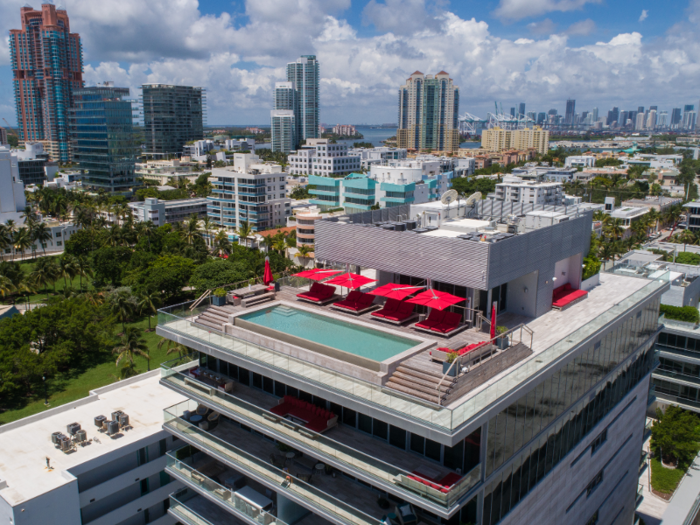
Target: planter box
<point>502,343</point>
<point>218,301</point>
<point>452,372</point>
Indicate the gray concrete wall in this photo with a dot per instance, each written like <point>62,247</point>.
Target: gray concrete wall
<point>521,301</point>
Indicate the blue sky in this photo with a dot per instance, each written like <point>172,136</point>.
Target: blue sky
<point>602,53</point>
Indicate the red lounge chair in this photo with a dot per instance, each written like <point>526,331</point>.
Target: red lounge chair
<point>389,308</point>
<point>350,302</point>
<point>565,296</point>
<point>315,418</point>
<point>450,323</point>
<point>319,294</point>
<point>434,319</point>
<point>403,312</point>
<point>356,302</point>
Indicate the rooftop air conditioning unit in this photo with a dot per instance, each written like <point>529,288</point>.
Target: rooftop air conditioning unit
<point>99,421</point>
<point>123,420</point>
<point>112,428</point>
<point>56,437</point>
<point>72,428</point>
<point>116,414</point>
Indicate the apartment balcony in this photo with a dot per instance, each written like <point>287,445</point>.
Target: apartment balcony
<point>343,447</point>
<point>190,508</point>
<point>330,192</point>
<point>339,502</point>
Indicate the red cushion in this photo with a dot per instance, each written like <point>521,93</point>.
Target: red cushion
<point>435,318</point>
<point>450,479</point>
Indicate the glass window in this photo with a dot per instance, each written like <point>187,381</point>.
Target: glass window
<point>432,449</point>
<point>279,389</point>
<point>364,423</point>
<point>349,417</point>
<point>268,385</point>
<point>243,376</point>
<point>257,381</point>
<point>380,429</point>
<point>417,444</point>
<point>397,437</point>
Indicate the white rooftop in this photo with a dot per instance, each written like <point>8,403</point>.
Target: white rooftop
<point>26,443</point>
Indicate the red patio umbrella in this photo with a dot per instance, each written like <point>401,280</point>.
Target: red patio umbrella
<point>267,275</point>
<point>435,299</point>
<point>319,275</point>
<point>305,273</point>
<point>350,280</point>
<point>396,291</point>
<point>493,320</point>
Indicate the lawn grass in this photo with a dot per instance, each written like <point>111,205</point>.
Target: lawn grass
<point>28,267</point>
<point>664,480</point>
<point>75,384</point>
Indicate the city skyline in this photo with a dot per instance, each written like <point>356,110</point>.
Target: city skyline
<point>532,54</point>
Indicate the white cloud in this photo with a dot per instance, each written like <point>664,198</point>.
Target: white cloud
<point>238,61</point>
<point>543,27</point>
<point>401,17</point>
<point>582,28</point>
<point>510,10</point>
<point>644,15</point>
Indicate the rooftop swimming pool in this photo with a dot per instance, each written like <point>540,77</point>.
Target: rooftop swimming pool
<point>335,333</point>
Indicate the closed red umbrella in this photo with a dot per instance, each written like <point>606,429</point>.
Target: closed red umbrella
<point>396,291</point>
<point>267,276</point>
<point>493,320</point>
<point>350,280</point>
<point>435,299</point>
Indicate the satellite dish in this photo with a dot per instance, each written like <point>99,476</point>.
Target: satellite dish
<point>449,197</point>
<point>473,198</point>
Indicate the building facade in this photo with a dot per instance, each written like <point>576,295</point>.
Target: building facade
<point>102,134</point>
<point>321,157</point>
<point>248,192</point>
<point>35,166</point>
<point>428,113</point>
<point>110,479</point>
<point>516,190</point>
<point>284,130</point>
<point>161,212</point>
<point>295,117</point>
<point>47,65</point>
<point>172,116</point>
<point>552,436</point>
<point>12,197</point>
<point>498,139</point>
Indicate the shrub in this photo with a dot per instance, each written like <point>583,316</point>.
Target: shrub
<point>688,314</point>
<point>592,264</point>
<point>688,258</point>
<point>219,292</point>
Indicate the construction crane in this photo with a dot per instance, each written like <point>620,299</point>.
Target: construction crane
<point>9,129</point>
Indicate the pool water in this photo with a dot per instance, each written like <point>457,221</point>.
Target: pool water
<point>348,337</point>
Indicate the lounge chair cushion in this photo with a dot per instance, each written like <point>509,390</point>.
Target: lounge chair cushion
<point>450,322</point>
<point>435,318</point>
<point>315,418</point>
<point>389,308</point>
<point>404,311</point>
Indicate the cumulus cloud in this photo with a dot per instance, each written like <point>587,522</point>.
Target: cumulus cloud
<point>644,15</point>
<point>582,28</point>
<point>238,61</point>
<point>401,17</point>
<point>543,27</point>
<point>510,10</point>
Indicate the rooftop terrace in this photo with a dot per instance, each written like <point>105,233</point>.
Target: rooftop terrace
<point>27,443</point>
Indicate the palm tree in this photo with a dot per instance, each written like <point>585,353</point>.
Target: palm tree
<point>222,243</point>
<point>148,304</point>
<point>132,344</point>
<point>6,286</point>
<point>42,234</point>
<point>279,244</point>
<point>5,239</point>
<point>614,229</point>
<point>173,347</point>
<point>44,273</point>
<point>207,224</point>
<point>191,232</point>
<point>67,269</point>
<point>21,240</point>
<point>122,307</point>
<point>303,251</point>
<point>244,232</point>
<point>686,237</point>
<point>114,236</point>
<point>127,371</point>
<point>83,269</point>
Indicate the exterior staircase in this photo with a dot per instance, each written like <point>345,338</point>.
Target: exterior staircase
<point>415,380</point>
<point>214,317</point>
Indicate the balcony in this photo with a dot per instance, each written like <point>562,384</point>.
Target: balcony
<point>347,449</point>
<point>192,471</point>
<point>188,508</point>
<point>254,462</point>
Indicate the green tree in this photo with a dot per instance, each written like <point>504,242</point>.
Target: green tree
<point>686,237</point>
<point>244,232</point>
<point>148,305</point>
<point>674,436</point>
<point>123,305</point>
<point>41,233</point>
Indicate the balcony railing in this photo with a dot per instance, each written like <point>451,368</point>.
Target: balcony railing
<point>319,445</point>
<point>182,512</point>
<point>225,496</point>
<point>247,463</point>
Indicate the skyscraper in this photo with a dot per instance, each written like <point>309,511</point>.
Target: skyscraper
<point>613,116</point>
<point>521,108</point>
<point>428,112</point>
<point>101,125</point>
<point>675,118</point>
<point>47,65</point>
<point>541,118</point>
<point>283,119</point>
<point>651,119</point>
<point>624,115</point>
<point>570,112</point>
<point>303,74</point>
<point>172,117</point>
<point>639,124</point>
<point>640,109</point>
<point>689,117</point>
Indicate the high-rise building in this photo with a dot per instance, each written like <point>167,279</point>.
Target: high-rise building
<point>651,120</point>
<point>172,117</point>
<point>521,108</point>
<point>640,109</point>
<point>3,136</point>
<point>662,119</point>
<point>675,118</point>
<point>655,108</point>
<point>548,428</point>
<point>512,112</point>
<point>428,112</point>
<point>570,112</point>
<point>688,117</point>
<point>101,125</point>
<point>624,115</point>
<point>303,74</point>
<point>283,118</point>
<point>613,116</point>
<point>498,139</point>
<point>595,115</point>
<point>541,118</point>
<point>47,66</point>
<point>532,116</point>
<point>639,123</point>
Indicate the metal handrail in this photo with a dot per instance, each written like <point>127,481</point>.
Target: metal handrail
<point>489,341</point>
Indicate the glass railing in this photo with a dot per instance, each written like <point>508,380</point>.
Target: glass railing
<point>182,512</point>
<point>179,320</point>
<point>283,482</point>
<point>323,446</point>
<point>224,495</point>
